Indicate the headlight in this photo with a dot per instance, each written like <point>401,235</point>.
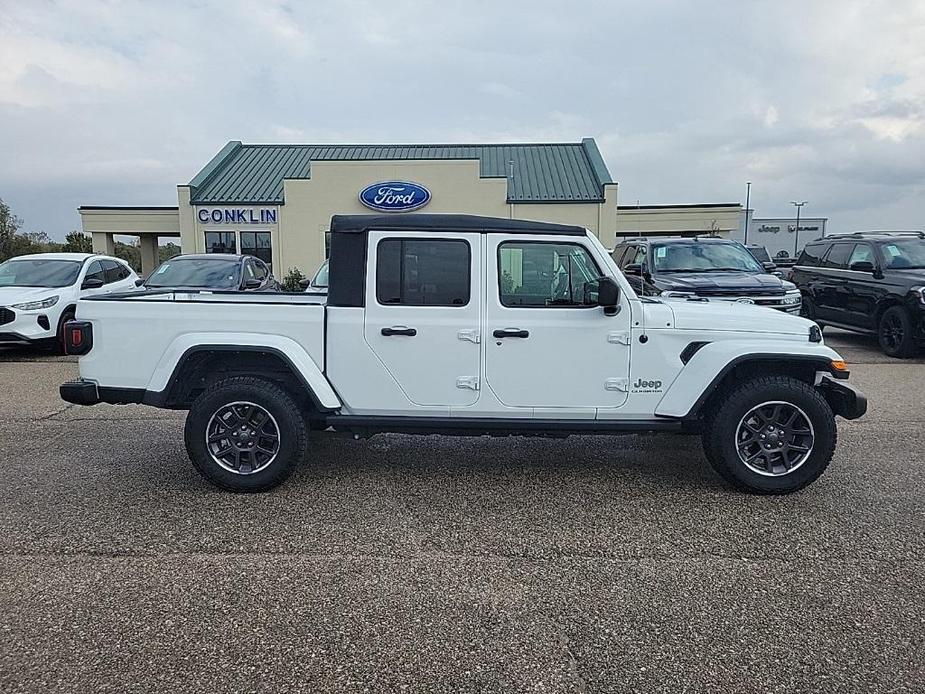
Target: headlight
<point>792,298</point>
<point>919,292</point>
<point>36,305</point>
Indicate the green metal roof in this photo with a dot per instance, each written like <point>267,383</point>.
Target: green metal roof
<point>561,172</point>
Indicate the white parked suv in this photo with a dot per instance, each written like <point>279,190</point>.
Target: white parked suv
<point>39,293</point>
<point>451,324</point>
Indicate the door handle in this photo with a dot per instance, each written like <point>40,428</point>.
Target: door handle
<point>399,330</point>
<point>511,332</point>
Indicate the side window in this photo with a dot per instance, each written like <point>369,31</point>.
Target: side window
<point>111,271</point>
<point>628,254</point>
<point>537,274</point>
<point>837,257</point>
<point>260,270</point>
<point>862,254</point>
<point>423,272</point>
<point>636,258</point>
<point>95,272</point>
<point>618,253</point>
<point>811,255</point>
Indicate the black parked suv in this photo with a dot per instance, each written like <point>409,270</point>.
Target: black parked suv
<point>869,282</point>
<point>704,267</point>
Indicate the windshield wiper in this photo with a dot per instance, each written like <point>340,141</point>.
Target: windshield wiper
<point>705,269</point>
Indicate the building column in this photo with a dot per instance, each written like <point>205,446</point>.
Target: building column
<point>149,256</point>
<point>103,243</point>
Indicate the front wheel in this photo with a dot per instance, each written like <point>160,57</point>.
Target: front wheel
<point>245,434</point>
<point>771,435</point>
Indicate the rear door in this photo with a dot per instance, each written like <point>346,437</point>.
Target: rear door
<point>423,313</point>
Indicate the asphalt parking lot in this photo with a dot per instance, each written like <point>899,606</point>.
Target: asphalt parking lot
<point>459,565</point>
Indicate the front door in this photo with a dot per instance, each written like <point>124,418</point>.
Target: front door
<point>423,313</point>
<point>547,346</point>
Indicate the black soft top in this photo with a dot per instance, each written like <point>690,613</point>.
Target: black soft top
<point>349,238</point>
<point>361,223</point>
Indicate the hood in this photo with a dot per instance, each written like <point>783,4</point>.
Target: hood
<point>735,317</point>
<point>719,282</point>
<point>20,295</point>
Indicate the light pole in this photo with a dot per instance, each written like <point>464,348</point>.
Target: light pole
<point>748,193</point>
<point>796,236</point>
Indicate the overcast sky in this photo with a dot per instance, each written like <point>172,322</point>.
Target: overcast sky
<point>118,102</point>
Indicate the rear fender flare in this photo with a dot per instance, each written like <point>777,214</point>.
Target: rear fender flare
<point>290,351</point>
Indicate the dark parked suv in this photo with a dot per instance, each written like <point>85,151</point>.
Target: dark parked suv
<point>869,282</point>
<point>703,267</point>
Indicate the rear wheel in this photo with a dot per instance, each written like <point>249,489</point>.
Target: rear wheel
<point>771,435</point>
<point>245,434</point>
<point>894,333</point>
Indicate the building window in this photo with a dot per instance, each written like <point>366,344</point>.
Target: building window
<point>257,244</point>
<point>220,242</point>
<point>418,272</point>
<point>539,274</point>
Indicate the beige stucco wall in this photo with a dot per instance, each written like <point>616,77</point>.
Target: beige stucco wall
<point>131,221</point>
<point>678,220</point>
<point>195,241</point>
<point>455,187</point>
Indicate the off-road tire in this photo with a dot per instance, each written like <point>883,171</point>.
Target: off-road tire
<point>721,425</point>
<point>289,420</point>
<point>905,348</point>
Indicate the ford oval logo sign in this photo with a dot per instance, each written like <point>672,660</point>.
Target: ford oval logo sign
<point>395,196</point>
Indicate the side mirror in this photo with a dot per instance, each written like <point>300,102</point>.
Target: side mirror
<point>608,295</point>
<point>251,283</point>
<point>633,269</point>
<point>139,282</point>
<point>92,283</point>
<point>862,266</point>
<point>305,283</point>
<point>769,266</point>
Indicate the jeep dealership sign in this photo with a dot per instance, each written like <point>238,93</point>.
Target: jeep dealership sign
<point>394,196</point>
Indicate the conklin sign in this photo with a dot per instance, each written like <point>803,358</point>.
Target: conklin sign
<point>237,215</point>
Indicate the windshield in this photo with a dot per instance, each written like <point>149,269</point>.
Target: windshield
<point>904,255</point>
<point>38,272</point>
<point>321,277</point>
<point>704,257</point>
<point>204,273</point>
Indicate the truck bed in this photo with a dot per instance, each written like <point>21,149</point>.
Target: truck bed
<point>140,336</point>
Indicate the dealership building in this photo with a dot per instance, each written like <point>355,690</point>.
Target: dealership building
<point>276,201</point>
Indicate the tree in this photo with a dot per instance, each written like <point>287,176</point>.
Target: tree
<point>167,251</point>
<point>77,242</point>
<point>9,228</point>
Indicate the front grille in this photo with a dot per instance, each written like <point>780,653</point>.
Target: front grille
<point>776,301</point>
<point>6,315</point>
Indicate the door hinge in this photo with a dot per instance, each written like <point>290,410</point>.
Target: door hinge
<point>621,338</point>
<point>470,335</point>
<point>620,384</point>
<point>470,382</point>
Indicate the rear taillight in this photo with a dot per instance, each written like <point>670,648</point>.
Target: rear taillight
<point>78,337</point>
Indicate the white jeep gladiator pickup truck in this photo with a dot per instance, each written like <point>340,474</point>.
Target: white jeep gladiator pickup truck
<point>450,324</point>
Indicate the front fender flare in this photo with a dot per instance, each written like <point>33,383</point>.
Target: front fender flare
<point>706,369</point>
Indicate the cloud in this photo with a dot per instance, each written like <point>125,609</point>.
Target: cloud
<point>106,102</point>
